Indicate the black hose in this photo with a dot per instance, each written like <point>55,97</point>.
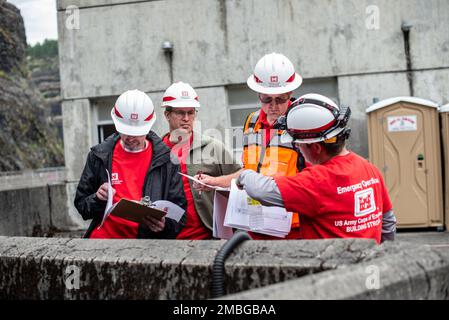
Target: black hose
<point>218,270</point>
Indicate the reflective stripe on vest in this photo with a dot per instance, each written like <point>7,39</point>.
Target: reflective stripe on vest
<point>252,121</point>
<point>276,158</point>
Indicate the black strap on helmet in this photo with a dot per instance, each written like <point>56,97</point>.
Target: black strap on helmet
<point>341,115</point>
<point>281,123</point>
<point>345,134</point>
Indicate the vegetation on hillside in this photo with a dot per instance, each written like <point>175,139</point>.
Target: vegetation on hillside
<point>48,49</point>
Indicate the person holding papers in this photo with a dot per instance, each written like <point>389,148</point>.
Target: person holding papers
<point>196,153</point>
<point>140,165</point>
<point>274,79</point>
<point>342,195</point>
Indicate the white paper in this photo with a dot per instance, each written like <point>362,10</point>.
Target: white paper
<point>244,213</point>
<point>256,218</point>
<point>174,211</point>
<point>107,210</point>
<point>219,213</point>
<point>275,221</point>
<point>202,183</point>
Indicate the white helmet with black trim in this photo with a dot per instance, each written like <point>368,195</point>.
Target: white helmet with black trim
<point>314,118</point>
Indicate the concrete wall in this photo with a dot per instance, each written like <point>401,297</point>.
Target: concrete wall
<point>217,43</point>
<point>433,84</point>
<point>38,211</point>
<point>35,268</point>
<point>39,268</point>
<point>119,46</point>
<point>372,85</point>
<point>77,127</point>
<point>404,273</point>
<point>31,178</point>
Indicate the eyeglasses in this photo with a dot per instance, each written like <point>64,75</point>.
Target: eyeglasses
<point>182,114</point>
<point>278,100</point>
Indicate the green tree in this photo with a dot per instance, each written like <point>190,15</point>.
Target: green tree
<point>48,49</point>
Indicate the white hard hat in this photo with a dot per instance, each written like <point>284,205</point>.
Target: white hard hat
<point>133,113</point>
<point>274,74</point>
<point>180,95</point>
<point>314,118</point>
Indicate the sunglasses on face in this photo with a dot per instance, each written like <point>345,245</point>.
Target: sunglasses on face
<point>278,100</point>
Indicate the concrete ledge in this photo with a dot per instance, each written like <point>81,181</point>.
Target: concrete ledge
<point>31,178</point>
<point>38,211</point>
<point>63,4</point>
<point>35,268</point>
<point>405,272</point>
<point>25,212</point>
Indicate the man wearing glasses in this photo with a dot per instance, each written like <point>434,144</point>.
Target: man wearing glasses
<point>274,79</point>
<point>196,153</point>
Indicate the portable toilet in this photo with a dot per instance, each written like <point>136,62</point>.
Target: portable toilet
<point>404,143</point>
<point>444,115</point>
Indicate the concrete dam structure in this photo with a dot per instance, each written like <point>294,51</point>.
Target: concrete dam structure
<point>49,268</point>
<point>349,59</point>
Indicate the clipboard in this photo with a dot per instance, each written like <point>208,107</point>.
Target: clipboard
<point>134,211</point>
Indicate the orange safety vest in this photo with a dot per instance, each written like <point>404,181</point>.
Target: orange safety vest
<point>276,158</point>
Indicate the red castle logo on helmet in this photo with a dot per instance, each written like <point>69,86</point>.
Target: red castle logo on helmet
<point>184,94</point>
<point>274,79</point>
<point>134,116</point>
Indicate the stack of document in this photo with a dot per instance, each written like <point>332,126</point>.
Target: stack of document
<point>243,212</point>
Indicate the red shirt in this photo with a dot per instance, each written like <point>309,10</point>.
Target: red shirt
<point>194,228</point>
<point>128,173</point>
<point>342,198</point>
<point>268,130</point>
